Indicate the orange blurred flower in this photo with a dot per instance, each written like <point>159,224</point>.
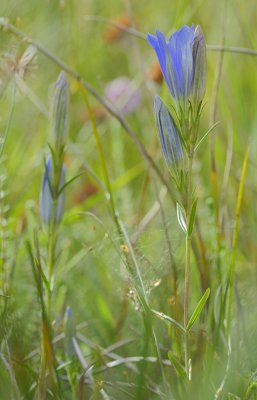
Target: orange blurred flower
<point>154,73</point>
<point>115,32</point>
<point>85,191</point>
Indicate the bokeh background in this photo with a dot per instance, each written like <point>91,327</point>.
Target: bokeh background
<point>90,278</point>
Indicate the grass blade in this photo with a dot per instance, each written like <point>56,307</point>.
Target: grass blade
<point>198,310</point>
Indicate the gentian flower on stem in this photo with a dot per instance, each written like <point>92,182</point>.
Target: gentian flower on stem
<point>51,212</point>
<point>182,61</point>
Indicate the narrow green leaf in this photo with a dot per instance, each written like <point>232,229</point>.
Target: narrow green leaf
<point>64,365</point>
<point>205,135</point>
<point>69,182</point>
<point>198,310</point>
<point>192,218</point>
<point>53,155</point>
<point>177,365</point>
<point>181,218</point>
<point>231,278</point>
<point>167,318</point>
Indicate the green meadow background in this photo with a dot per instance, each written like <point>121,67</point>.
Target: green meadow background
<point>103,348</point>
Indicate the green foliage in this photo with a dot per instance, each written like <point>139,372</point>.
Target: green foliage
<point>93,308</point>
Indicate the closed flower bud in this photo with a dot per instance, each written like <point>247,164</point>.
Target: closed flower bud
<point>169,138</point>
<point>199,59</point>
<point>59,111</point>
<point>46,195</point>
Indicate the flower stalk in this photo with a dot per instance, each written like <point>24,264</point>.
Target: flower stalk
<point>182,60</point>
<point>52,207</point>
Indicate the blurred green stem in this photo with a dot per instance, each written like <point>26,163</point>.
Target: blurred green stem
<point>109,193</point>
<point>188,205</point>
<point>47,354</point>
<point>234,242</point>
<point>136,279</point>
<point>50,258</point>
<point>46,319</point>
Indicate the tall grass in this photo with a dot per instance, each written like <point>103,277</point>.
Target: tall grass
<point>108,321</point>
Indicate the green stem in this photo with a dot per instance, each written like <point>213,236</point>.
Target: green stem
<point>186,293</point>
<point>234,241</point>
<point>50,260</point>
<point>42,384</point>
<point>103,164</point>
<point>188,205</point>
<point>47,315</point>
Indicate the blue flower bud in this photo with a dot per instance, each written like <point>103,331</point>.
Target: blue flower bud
<point>199,60</point>
<point>59,110</point>
<point>46,195</point>
<point>170,141</point>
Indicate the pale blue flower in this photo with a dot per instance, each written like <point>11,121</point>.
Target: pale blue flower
<point>46,195</point>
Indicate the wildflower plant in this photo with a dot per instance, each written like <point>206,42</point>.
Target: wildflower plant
<point>107,310</point>
<point>52,197</point>
<point>52,206</point>
<point>182,60</point>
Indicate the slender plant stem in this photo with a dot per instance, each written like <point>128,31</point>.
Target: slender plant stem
<point>123,238</point>
<point>46,317</point>
<point>141,35</point>
<point>50,260</point>
<point>56,166</point>
<point>103,165</point>
<point>42,385</point>
<point>214,174</point>
<point>187,276</point>
<point>234,241</point>
<point>186,297</point>
<point>188,250</point>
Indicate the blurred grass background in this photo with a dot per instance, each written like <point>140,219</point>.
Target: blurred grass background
<point>89,277</point>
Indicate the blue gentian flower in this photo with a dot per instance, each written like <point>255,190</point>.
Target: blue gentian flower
<point>46,195</point>
<point>169,138</point>
<point>180,60</point>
